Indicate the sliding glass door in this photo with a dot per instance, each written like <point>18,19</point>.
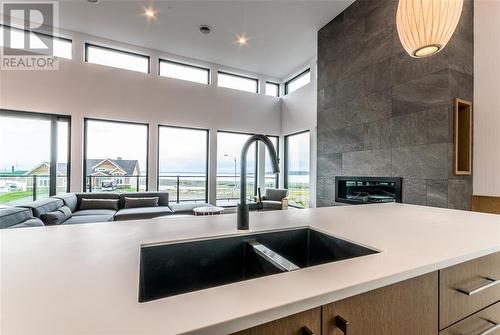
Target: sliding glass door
<point>297,155</point>
<point>34,160</point>
<point>115,156</point>
<point>183,163</point>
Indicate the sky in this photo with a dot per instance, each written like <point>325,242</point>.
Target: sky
<point>25,143</point>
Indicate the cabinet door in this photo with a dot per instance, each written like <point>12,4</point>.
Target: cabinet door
<point>409,307</point>
<point>304,323</point>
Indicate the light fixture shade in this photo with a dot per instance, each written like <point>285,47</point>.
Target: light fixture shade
<point>426,26</point>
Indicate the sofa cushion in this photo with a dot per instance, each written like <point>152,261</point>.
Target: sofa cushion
<point>271,204</point>
<point>69,200</point>
<point>33,222</point>
<point>56,217</point>
<point>187,207</point>
<point>12,216</point>
<point>43,206</point>
<point>95,195</point>
<point>162,197</point>
<point>53,218</point>
<point>67,212</point>
<point>88,219</point>
<point>141,202</point>
<point>142,213</point>
<point>95,212</point>
<point>98,204</point>
<point>275,194</point>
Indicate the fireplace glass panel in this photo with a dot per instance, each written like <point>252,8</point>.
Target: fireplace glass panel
<point>359,190</point>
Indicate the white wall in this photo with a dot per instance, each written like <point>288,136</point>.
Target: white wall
<point>486,98</point>
<point>88,90</point>
<point>299,113</point>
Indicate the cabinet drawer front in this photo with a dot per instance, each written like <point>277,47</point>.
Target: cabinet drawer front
<point>482,322</point>
<point>298,324</point>
<point>468,287</point>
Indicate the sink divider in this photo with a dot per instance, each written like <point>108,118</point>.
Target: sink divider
<point>272,257</point>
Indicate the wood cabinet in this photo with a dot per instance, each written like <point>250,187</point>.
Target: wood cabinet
<point>304,323</point>
<point>462,299</point>
<point>468,287</point>
<point>408,307</point>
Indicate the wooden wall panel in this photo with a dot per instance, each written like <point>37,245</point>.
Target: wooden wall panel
<point>486,204</point>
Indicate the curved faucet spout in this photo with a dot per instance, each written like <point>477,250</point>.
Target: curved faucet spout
<point>242,210</point>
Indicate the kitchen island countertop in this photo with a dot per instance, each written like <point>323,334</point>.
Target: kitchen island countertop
<point>83,279</point>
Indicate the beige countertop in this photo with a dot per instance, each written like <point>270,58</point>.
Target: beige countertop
<point>83,279</point>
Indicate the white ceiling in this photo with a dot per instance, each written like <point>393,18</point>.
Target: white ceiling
<point>282,34</point>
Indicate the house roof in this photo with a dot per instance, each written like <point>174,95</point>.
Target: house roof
<point>127,165</point>
<point>13,174</point>
<point>61,168</point>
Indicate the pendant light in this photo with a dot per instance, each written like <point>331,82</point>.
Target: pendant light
<point>426,26</point>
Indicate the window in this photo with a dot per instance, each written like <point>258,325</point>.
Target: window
<point>184,71</point>
<point>34,160</point>
<point>183,163</point>
<point>298,81</point>
<point>116,58</point>
<point>237,82</point>
<point>62,47</point>
<point>115,156</point>
<point>297,168</point>
<point>229,146</point>
<point>272,89</point>
<point>272,180</point>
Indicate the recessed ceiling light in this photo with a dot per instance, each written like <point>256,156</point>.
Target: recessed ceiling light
<point>205,29</point>
<point>150,13</point>
<point>93,1</point>
<point>242,40</point>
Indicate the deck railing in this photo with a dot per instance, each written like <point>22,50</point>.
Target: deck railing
<point>184,188</point>
<point>15,190</point>
<point>122,184</point>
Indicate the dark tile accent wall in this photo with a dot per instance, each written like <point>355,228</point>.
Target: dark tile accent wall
<point>384,113</point>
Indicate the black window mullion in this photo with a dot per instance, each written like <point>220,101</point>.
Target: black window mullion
<point>53,156</point>
<point>285,164</point>
<point>277,182</point>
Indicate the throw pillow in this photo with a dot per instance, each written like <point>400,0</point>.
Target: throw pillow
<point>141,202</point>
<point>86,203</point>
<point>53,218</point>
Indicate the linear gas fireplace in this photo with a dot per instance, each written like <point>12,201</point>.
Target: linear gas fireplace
<point>366,190</point>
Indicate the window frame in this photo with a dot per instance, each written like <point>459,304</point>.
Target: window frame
<point>160,60</point>
<point>285,157</point>
<point>53,118</point>
<point>278,86</point>
<point>207,164</point>
<point>122,51</point>
<point>287,83</point>
<point>85,142</point>
<point>256,80</point>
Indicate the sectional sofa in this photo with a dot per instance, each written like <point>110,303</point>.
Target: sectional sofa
<point>75,208</point>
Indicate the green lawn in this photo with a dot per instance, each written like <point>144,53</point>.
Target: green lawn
<point>12,196</point>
